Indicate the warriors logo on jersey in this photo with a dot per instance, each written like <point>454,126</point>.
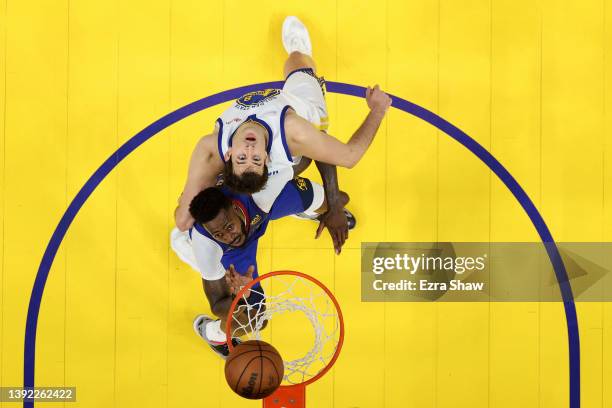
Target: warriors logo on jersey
<point>256,98</point>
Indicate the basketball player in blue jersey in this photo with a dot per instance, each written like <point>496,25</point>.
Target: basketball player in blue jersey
<point>267,137</point>
<point>222,244</point>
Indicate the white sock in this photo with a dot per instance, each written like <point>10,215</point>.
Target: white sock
<point>214,332</point>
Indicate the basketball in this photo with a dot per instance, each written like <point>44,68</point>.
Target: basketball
<point>254,369</point>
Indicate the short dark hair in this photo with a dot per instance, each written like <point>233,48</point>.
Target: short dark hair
<point>248,182</point>
<point>206,205</point>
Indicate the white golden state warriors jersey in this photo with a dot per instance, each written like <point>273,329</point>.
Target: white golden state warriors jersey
<point>268,108</point>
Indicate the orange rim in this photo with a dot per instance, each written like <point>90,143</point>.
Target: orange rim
<point>228,325</point>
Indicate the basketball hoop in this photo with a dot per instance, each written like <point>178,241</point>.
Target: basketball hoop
<point>296,294</point>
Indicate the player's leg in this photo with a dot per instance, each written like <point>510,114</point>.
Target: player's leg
<point>300,73</point>
<point>297,61</point>
<point>213,330</point>
<point>302,82</point>
<point>297,44</point>
<point>244,317</point>
<point>209,329</point>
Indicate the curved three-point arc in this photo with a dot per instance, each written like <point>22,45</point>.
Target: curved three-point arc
<point>337,87</point>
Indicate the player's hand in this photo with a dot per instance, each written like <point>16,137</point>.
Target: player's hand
<point>236,281</point>
<point>337,225</point>
<point>183,218</point>
<point>377,100</point>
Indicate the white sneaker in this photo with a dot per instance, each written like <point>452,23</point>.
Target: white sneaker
<point>221,348</point>
<point>295,36</point>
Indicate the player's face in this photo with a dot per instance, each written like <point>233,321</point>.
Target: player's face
<point>227,227</point>
<point>248,151</point>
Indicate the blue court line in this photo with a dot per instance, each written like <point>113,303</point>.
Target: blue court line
<point>335,87</point>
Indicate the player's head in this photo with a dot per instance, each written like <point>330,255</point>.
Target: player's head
<point>245,161</point>
<point>219,215</point>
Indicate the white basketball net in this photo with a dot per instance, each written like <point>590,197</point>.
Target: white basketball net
<point>293,297</point>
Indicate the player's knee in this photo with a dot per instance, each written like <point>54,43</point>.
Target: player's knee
<point>297,61</point>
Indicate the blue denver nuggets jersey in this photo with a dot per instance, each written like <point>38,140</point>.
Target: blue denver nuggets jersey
<point>214,257</point>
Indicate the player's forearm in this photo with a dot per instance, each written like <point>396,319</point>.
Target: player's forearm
<point>194,185</point>
<point>222,306</point>
<point>182,216</point>
<point>329,175</point>
<point>204,166</point>
<point>362,138</point>
<point>218,294</point>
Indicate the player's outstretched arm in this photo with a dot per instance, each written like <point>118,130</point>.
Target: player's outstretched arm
<point>219,296</point>
<point>204,167</point>
<point>305,140</point>
<point>334,218</point>
<point>220,292</point>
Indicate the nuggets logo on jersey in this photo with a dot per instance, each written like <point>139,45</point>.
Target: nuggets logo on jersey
<point>301,183</point>
<point>255,220</point>
<point>257,98</point>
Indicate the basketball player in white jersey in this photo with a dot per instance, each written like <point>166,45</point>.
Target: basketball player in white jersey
<point>257,142</point>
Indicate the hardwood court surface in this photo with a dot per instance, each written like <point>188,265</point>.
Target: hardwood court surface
<point>529,80</point>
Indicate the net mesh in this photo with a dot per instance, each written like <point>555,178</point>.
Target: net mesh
<point>286,301</point>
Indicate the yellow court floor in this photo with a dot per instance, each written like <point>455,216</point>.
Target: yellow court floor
<point>530,80</point>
